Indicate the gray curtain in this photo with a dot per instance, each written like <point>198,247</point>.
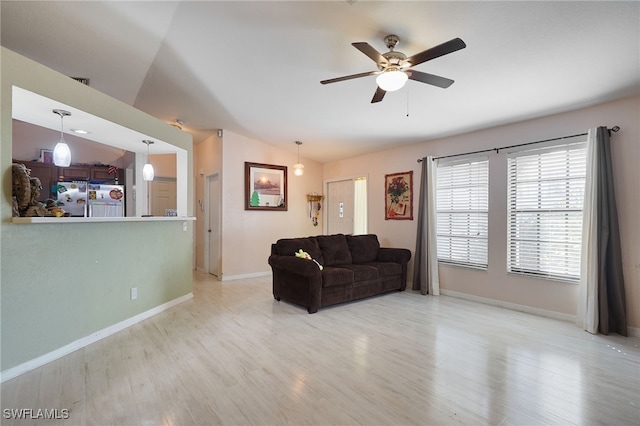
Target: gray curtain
<point>611,294</point>
<point>420,263</point>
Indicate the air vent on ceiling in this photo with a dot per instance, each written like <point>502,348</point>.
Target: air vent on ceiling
<point>82,80</point>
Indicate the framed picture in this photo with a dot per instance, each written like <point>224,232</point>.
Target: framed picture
<point>265,187</point>
<point>398,196</point>
<point>46,156</point>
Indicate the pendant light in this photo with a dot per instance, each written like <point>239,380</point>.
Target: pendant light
<point>62,153</point>
<point>298,168</point>
<point>147,170</point>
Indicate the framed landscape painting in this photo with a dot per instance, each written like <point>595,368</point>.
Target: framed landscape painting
<point>265,187</point>
<point>398,196</point>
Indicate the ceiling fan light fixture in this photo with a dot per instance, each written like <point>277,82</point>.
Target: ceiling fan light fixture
<point>392,80</point>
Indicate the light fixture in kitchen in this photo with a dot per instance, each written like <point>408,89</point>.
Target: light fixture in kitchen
<point>147,170</point>
<point>62,153</point>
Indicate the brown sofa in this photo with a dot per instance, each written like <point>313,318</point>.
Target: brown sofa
<point>354,266</point>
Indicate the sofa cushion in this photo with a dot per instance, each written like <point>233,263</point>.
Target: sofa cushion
<point>332,276</point>
<point>363,248</point>
<point>289,247</point>
<point>362,272</point>
<point>335,249</point>
<point>387,269</point>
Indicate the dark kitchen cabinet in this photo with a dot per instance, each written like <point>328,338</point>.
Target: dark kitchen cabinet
<point>74,173</point>
<point>91,173</point>
<point>101,174</point>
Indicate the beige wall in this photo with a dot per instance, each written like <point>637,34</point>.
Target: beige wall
<point>164,165</point>
<point>248,235</point>
<point>495,283</point>
<point>207,161</point>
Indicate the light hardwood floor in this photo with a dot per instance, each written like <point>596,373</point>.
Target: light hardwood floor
<point>233,355</point>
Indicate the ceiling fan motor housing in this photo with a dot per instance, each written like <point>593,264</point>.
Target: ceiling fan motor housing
<point>395,59</point>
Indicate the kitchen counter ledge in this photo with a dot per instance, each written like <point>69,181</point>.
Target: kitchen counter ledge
<point>65,220</point>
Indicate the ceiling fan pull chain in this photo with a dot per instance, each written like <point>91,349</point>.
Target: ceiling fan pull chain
<point>407,102</point>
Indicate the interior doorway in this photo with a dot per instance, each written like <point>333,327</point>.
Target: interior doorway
<point>163,194</point>
<point>346,210</point>
<point>213,232</point>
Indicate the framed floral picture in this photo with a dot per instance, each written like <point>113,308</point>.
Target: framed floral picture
<point>398,196</point>
<point>265,187</point>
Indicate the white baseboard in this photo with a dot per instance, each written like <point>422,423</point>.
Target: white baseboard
<point>87,340</point>
<point>244,276</point>
<point>513,306</point>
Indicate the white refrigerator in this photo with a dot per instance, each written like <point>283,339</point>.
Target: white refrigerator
<point>72,197</point>
<point>105,200</point>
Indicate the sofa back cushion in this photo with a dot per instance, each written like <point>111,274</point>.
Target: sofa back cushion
<point>335,249</point>
<point>289,247</point>
<point>363,248</point>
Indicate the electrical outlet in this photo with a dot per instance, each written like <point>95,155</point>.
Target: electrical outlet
<point>184,226</point>
<point>134,293</point>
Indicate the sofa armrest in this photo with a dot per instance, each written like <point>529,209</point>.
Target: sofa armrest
<point>296,265</point>
<point>398,255</point>
<point>297,280</point>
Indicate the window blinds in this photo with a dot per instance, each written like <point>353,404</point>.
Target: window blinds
<point>545,198</point>
<point>462,203</point>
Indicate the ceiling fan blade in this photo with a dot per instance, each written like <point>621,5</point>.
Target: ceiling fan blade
<point>371,52</point>
<point>434,80</point>
<point>349,77</point>
<point>437,51</point>
<point>377,97</point>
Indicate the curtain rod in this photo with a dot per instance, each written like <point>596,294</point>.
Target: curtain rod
<point>613,129</point>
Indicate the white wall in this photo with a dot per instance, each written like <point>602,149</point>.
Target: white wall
<point>248,235</point>
<point>495,283</point>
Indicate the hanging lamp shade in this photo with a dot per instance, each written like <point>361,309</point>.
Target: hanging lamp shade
<point>61,152</point>
<point>298,168</point>
<point>147,171</point>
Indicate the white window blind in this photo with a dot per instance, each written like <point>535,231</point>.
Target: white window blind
<point>545,198</point>
<point>462,204</point>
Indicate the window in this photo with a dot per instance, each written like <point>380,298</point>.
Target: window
<point>462,203</point>
<point>544,201</point>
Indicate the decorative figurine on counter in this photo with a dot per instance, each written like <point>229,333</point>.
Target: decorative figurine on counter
<point>26,190</point>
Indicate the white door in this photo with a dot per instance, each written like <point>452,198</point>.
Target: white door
<point>163,196</point>
<point>213,224</point>
<point>340,199</point>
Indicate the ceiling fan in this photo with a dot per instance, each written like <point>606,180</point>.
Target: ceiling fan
<point>395,67</point>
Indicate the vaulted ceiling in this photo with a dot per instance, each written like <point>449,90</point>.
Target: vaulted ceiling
<point>255,67</point>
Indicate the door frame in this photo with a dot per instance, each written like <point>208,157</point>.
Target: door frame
<point>207,206</point>
<point>325,186</point>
